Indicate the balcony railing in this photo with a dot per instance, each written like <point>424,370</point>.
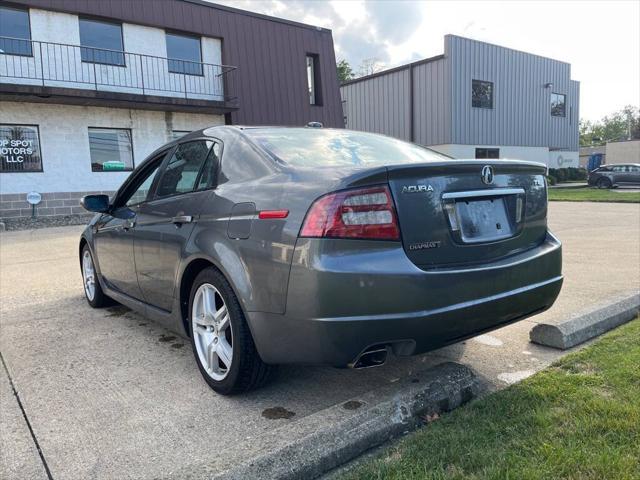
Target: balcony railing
<point>31,62</point>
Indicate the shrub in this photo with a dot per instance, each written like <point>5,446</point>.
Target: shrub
<point>551,180</point>
<point>577,173</point>
<point>559,173</point>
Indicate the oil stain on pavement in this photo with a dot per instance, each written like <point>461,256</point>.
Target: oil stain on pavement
<point>277,413</point>
<point>352,405</point>
<point>117,311</point>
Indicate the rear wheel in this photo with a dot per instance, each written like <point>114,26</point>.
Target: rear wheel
<point>92,289</point>
<point>603,183</point>
<point>222,343</point>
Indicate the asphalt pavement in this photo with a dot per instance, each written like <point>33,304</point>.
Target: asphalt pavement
<point>108,394</point>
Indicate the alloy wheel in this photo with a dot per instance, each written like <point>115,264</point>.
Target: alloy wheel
<point>88,275</point>
<point>211,330</point>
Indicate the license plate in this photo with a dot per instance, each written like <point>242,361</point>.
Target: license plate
<point>483,220</point>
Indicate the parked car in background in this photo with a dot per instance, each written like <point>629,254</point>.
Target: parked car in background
<point>609,176</point>
<point>271,245</point>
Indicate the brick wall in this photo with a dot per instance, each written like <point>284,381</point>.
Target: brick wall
<point>15,205</point>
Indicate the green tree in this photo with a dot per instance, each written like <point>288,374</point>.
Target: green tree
<point>621,125</point>
<point>345,72</point>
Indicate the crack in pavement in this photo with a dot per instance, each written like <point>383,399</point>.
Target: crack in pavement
<point>26,419</point>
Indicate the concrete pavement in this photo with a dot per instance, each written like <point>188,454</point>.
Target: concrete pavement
<point>109,394</point>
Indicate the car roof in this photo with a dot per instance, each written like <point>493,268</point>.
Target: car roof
<point>620,165</point>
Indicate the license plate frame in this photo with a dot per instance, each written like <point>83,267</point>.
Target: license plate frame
<point>484,216</point>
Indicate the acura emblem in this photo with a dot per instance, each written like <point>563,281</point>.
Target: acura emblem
<point>417,188</point>
<point>487,175</point>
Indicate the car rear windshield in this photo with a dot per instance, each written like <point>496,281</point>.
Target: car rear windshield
<point>318,147</point>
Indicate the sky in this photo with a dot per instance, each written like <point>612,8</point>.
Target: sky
<point>599,38</point>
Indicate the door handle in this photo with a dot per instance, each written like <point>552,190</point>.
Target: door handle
<point>180,219</point>
<point>127,224</point>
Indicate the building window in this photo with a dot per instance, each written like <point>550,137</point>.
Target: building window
<point>184,54</point>
<point>101,42</point>
<point>111,150</point>
<point>20,148</point>
<point>15,33</point>
<point>481,94</point>
<point>313,79</point>
<point>176,134</point>
<point>558,105</point>
<point>487,153</point>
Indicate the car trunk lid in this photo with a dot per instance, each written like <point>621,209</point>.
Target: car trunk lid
<point>467,211</point>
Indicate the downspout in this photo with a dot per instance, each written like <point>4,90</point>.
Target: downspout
<point>412,134</point>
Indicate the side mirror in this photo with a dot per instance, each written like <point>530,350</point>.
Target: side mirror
<point>95,203</point>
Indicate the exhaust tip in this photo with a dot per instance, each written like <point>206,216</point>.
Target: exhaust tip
<point>373,357</point>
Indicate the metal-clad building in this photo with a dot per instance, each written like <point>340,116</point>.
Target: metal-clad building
<point>476,101</point>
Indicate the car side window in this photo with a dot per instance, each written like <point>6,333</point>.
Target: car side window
<point>208,175</point>
<point>181,173</point>
<point>619,169</point>
<point>145,183</point>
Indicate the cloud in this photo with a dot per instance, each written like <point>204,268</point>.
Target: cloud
<point>394,21</point>
<point>361,29</point>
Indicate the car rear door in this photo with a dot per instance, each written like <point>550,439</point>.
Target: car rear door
<point>113,238</point>
<point>165,223</point>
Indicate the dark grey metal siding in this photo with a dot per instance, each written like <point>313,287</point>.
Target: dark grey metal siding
<point>270,82</point>
<point>521,114</point>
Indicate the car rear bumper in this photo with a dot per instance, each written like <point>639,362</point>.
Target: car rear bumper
<point>342,301</point>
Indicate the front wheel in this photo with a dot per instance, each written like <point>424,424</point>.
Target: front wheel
<point>92,289</point>
<point>604,183</point>
<point>222,343</point>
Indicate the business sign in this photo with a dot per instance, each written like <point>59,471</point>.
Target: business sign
<point>563,159</point>
<point>20,148</point>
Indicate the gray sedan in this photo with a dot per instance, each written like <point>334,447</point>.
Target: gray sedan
<point>608,176</point>
<point>268,245</point>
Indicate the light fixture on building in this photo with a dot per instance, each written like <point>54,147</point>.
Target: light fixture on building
<point>548,85</point>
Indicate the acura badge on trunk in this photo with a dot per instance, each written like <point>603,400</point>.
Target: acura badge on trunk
<point>487,175</point>
<point>416,188</point>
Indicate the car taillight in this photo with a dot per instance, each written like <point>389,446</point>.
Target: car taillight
<point>364,213</point>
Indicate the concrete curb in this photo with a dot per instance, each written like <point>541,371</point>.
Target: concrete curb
<point>565,186</point>
<point>586,324</point>
<point>336,435</point>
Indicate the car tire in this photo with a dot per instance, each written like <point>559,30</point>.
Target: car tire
<point>214,334</point>
<point>603,183</point>
<point>92,289</point>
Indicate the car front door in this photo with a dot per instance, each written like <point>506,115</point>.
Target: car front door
<point>115,233</point>
<point>619,174</point>
<point>633,174</point>
<point>165,223</point>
